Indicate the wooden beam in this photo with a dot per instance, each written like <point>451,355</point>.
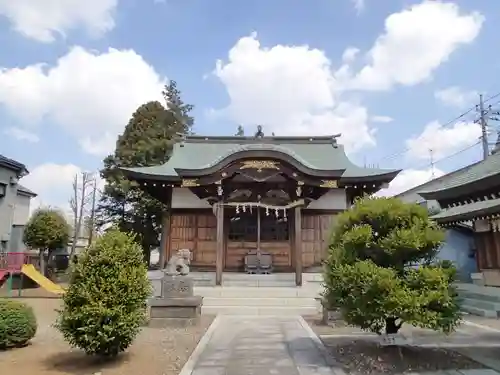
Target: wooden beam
<point>298,245</point>
<point>219,260</point>
<point>165,231</point>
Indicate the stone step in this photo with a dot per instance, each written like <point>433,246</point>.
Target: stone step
<point>256,292</point>
<point>261,302</point>
<point>479,311</point>
<point>479,296</point>
<point>262,283</point>
<point>486,305</point>
<point>260,310</point>
<point>247,277</point>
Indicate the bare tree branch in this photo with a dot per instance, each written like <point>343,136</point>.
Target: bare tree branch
<point>78,202</point>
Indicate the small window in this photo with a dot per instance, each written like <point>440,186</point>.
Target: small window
<point>274,229</point>
<point>3,190</point>
<point>243,227</point>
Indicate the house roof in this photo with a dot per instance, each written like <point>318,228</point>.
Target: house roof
<point>205,154</point>
<point>13,165</point>
<point>468,178</point>
<point>23,190</point>
<point>468,211</point>
<point>414,192</point>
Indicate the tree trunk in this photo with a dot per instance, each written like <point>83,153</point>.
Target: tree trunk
<point>147,254</point>
<point>391,327</point>
<point>43,267</point>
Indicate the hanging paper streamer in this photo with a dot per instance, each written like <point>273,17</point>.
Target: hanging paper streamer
<point>220,191</point>
<point>267,211</point>
<point>276,213</point>
<point>244,208</point>
<point>237,208</point>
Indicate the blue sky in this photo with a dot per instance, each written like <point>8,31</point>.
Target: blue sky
<point>386,74</point>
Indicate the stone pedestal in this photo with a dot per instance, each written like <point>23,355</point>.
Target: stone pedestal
<point>177,306</point>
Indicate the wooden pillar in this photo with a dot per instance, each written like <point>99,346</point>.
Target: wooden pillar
<point>298,245</point>
<point>165,230</point>
<point>219,260</point>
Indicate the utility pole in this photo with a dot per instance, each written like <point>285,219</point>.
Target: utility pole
<point>484,116</point>
<point>483,122</point>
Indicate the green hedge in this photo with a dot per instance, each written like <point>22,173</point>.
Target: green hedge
<point>17,324</point>
<point>105,303</point>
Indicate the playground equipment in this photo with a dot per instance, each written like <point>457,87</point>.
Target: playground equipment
<point>20,263</point>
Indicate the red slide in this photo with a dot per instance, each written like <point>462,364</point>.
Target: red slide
<point>3,277</point>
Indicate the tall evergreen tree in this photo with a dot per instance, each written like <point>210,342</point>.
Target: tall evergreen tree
<point>147,140</point>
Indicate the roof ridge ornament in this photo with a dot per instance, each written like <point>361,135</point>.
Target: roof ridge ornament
<point>259,133</point>
<point>334,140</point>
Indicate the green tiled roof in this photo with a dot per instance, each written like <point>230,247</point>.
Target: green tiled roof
<point>468,211</point>
<point>316,153</point>
<point>475,172</point>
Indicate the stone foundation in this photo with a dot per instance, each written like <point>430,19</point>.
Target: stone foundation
<point>177,305</point>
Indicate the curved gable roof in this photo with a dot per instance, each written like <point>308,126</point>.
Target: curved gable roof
<point>318,154</point>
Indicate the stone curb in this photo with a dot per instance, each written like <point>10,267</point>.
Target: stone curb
<point>335,367</point>
<point>188,367</point>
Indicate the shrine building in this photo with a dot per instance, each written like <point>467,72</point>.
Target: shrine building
<point>471,197</point>
<point>233,195</point>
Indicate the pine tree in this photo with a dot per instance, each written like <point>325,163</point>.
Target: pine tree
<point>147,140</point>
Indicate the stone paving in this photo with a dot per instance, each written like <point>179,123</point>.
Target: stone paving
<point>263,346</point>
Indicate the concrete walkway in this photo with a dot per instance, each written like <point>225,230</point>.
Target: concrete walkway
<point>237,345</point>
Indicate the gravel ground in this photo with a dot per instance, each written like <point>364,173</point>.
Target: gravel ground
<point>365,356</point>
<point>154,352</point>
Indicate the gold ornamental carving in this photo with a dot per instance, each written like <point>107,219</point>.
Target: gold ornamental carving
<point>259,165</point>
<point>330,184</point>
<point>190,183</point>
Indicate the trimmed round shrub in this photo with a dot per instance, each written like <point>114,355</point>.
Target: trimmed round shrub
<point>17,324</point>
<point>105,303</point>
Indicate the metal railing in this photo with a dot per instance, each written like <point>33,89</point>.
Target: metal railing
<point>14,261</point>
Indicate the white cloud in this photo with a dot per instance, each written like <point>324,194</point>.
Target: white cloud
<point>408,179</point>
<point>416,41</point>
<point>290,90</point>
<point>455,96</point>
<point>21,134</point>
<point>350,54</point>
<point>359,5</point>
<point>381,119</point>
<point>443,141</point>
<point>53,184</point>
<point>89,95</point>
<point>42,20</point>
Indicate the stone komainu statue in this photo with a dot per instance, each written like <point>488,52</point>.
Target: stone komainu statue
<point>179,263</point>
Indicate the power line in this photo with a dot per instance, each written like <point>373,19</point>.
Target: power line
<point>484,115</point>
<point>434,162</point>
<point>447,124</point>
<point>484,124</point>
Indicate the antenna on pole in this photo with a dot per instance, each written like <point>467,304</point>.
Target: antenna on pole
<point>433,172</point>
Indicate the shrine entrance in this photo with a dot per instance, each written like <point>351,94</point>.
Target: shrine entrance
<point>257,228</point>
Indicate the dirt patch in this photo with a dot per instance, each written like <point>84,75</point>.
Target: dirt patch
<point>360,353</point>
<point>154,352</point>
<point>367,357</point>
